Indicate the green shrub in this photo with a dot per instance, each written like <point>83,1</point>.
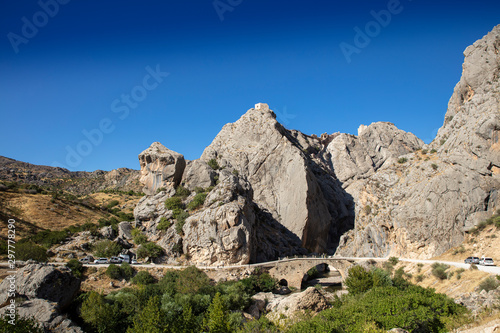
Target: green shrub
<point>394,260</point>
<point>402,160</point>
<point>419,278</point>
<point>160,189</point>
<point>197,201</point>
<point>140,239</point>
<point>164,224</point>
<point>29,250</point>
<point>439,270</point>
<point>174,203</point>
<point>127,271</point>
<point>434,166</point>
<point>359,280</point>
<point>213,164</point>
<point>312,273</point>
<point>113,272</point>
<point>76,267</point>
<point>48,238</point>
<point>150,250</point>
<point>143,278</point>
<point>106,248</point>
<point>182,192</point>
<point>490,283</point>
<point>433,151</point>
<point>112,204</point>
<point>413,308</point>
<point>22,325</point>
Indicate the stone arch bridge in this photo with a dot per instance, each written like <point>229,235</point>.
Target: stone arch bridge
<point>293,270</point>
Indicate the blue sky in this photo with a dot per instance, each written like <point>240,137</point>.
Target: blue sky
<point>67,70</point>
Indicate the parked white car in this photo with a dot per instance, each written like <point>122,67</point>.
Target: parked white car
<point>486,261</point>
<point>101,261</point>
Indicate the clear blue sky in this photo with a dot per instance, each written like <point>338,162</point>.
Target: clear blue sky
<point>74,72</point>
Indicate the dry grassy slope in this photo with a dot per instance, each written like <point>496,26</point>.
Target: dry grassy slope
<point>37,211</point>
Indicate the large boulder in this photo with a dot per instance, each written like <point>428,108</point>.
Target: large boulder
<point>310,300</point>
<point>56,285</point>
<point>45,313</point>
<point>160,167</point>
<point>198,174</point>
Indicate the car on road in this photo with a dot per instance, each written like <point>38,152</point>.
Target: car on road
<point>486,261</point>
<point>125,258</point>
<point>134,262</point>
<point>87,260</point>
<point>472,260</point>
<point>115,260</point>
<point>101,261</point>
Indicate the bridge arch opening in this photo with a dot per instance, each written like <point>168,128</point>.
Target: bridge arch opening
<point>321,274</point>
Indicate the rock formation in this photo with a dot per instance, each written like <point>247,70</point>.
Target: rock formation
<point>272,192</point>
<point>46,291</point>
<point>422,206</point>
<point>160,167</point>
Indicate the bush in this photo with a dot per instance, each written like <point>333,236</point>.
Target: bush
<point>22,325</point>
<point>394,260</point>
<point>150,250</point>
<point>106,248</point>
<point>490,283</point>
<point>113,272</point>
<point>312,273</point>
<point>164,224</point>
<point>127,271</point>
<point>140,239</point>
<point>112,204</point>
<point>174,203</point>
<point>76,267</point>
<point>439,270</point>
<point>29,250</point>
<point>402,160</point>
<point>433,151</point>
<point>143,278</point>
<point>213,164</point>
<point>358,280</point>
<point>434,166</point>
<point>181,191</point>
<point>48,238</point>
<point>198,200</point>
<point>419,278</point>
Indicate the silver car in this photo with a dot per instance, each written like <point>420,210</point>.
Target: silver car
<point>486,261</point>
<point>101,261</point>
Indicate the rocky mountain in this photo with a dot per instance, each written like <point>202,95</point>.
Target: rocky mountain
<point>422,206</point>
<point>76,182</point>
<point>265,191</point>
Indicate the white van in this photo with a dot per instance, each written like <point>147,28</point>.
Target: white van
<point>125,258</point>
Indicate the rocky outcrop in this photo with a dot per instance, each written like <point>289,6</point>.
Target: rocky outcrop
<point>198,174</point>
<point>47,314</point>
<point>280,307</point>
<point>38,281</point>
<point>419,204</point>
<point>77,182</point>
<point>357,157</point>
<point>222,232</point>
<point>42,291</point>
<point>160,167</point>
<point>285,179</point>
<point>477,301</point>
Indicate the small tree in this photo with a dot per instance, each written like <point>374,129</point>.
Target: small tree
<point>113,272</point>
<point>106,248</point>
<point>150,319</point>
<point>98,313</point>
<point>359,280</point>
<point>76,267</point>
<point>29,250</point>
<point>213,164</point>
<point>217,318</point>
<point>143,277</point>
